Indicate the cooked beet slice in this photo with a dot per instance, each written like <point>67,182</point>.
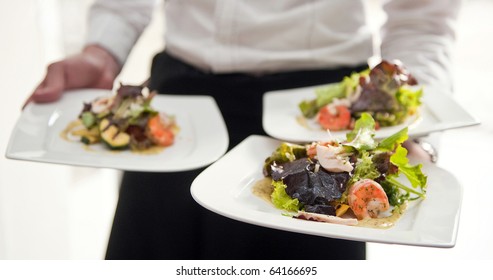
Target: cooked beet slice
<point>341,180</point>
<point>373,100</point>
<point>378,92</point>
<point>310,187</point>
<point>290,168</point>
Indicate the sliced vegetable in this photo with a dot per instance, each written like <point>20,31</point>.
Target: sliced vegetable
<point>88,119</point>
<point>113,136</point>
<point>89,140</point>
<point>87,136</point>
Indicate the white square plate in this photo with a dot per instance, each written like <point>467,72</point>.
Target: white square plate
<point>202,138</point>
<point>225,187</point>
<point>281,112</point>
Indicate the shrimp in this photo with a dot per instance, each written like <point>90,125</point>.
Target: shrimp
<point>159,131</point>
<point>334,118</point>
<point>367,199</point>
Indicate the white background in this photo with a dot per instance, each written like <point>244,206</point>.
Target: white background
<point>52,212</point>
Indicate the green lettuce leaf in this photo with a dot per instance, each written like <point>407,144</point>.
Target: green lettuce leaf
<point>409,98</point>
<point>326,94</point>
<point>395,194</point>
<point>281,199</point>
<point>398,192</point>
<point>309,108</point>
<point>390,143</point>
<point>412,172</point>
<point>361,137</point>
<point>386,119</point>
<point>344,88</point>
<point>364,169</point>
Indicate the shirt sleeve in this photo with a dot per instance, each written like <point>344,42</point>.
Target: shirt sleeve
<point>117,24</point>
<point>422,33</point>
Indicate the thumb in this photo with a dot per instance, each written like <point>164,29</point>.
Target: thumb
<point>53,85</point>
<point>43,94</point>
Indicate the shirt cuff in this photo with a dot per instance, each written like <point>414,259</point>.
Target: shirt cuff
<point>112,33</point>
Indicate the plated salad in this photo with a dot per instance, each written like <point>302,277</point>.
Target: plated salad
<point>358,181</point>
<point>387,92</point>
<point>125,120</point>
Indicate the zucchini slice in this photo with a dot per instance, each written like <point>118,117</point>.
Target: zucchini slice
<point>112,136</point>
<point>89,139</point>
<point>87,136</point>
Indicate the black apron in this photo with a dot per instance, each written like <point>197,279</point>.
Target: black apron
<point>156,217</point>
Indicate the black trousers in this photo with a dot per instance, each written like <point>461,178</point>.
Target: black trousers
<point>156,217</point>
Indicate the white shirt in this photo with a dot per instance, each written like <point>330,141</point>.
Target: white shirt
<point>261,36</point>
